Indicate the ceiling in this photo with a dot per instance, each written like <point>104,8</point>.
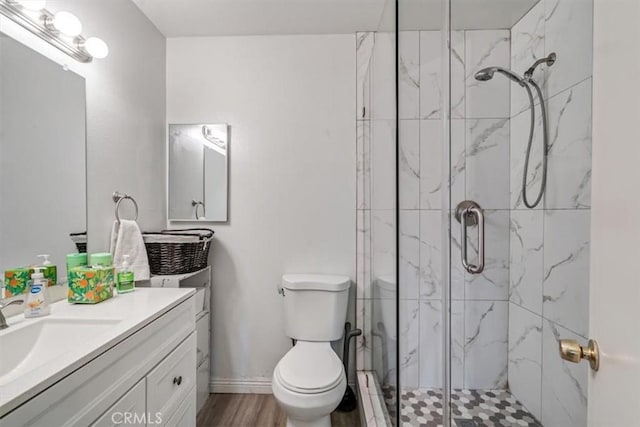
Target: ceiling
<point>192,18</point>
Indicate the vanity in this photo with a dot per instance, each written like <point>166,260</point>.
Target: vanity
<point>130,360</point>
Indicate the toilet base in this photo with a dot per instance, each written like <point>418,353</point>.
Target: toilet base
<point>320,422</point>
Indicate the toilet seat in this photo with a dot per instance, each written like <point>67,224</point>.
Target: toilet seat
<point>310,368</point>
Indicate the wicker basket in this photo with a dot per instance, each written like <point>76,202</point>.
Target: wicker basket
<point>80,239</point>
<point>178,251</point>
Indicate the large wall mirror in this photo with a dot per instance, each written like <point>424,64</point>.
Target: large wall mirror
<point>42,159</point>
<point>198,171</point>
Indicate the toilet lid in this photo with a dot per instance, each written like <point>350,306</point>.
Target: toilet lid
<point>310,367</point>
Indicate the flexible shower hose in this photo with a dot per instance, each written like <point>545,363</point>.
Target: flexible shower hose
<point>543,184</point>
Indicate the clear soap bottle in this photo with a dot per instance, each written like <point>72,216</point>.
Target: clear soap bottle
<point>125,280</point>
<point>37,303</point>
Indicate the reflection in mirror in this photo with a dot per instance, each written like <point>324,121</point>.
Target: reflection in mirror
<point>198,163</point>
<point>42,160</point>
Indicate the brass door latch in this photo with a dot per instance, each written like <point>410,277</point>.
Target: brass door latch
<point>572,351</point>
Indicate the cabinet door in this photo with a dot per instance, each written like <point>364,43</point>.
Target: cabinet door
<point>185,415</point>
<point>202,385</point>
<point>129,410</point>
<point>172,380</point>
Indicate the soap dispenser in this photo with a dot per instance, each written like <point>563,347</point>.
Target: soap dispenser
<point>37,303</point>
<point>125,279</point>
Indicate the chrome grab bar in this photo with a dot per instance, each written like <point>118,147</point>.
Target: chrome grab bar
<point>469,213</point>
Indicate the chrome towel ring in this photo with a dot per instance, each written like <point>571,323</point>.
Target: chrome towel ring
<point>118,198</point>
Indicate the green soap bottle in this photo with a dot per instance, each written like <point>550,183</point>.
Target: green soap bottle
<point>126,282</point>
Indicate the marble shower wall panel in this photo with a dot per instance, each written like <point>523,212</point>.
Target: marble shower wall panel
<point>431,89</point>
<point>363,248</point>
<point>525,357</point>
<point>566,269</point>
<point>409,343</point>
<point>383,73</point>
<point>527,45</point>
<point>487,162</point>
<point>409,164</point>
<point>363,171</point>
<point>431,162</point>
<point>486,48</point>
<point>569,159</point>
<point>525,259</point>
<point>383,167</point>
<point>569,33</point>
<point>564,384</point>
<point>409,262</point>
<point>409,75</point>
<point>430,255</point>
<point>485,344</point>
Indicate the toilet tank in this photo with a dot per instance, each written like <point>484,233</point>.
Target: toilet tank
<point>315,306</point>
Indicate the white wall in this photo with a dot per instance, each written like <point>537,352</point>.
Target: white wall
<point>125,111</point>
<point>289,101</point>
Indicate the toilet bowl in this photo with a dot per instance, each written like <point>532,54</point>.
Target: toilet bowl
<point>309,381</point>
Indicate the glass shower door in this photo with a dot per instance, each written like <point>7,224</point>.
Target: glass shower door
<point>517,270</point>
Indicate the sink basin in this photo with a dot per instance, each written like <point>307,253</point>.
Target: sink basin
<point>27,347</point>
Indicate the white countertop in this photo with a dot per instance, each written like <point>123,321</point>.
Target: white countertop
<point>133,311</point>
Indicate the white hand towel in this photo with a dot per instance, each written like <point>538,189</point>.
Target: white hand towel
<point>126,239</point>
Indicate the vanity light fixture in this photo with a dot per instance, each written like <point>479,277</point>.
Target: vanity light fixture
<point>62,29</point>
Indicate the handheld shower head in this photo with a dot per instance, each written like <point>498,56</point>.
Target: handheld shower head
<point>486,74</point>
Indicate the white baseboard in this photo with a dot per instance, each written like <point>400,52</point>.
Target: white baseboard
<point>244,386</point>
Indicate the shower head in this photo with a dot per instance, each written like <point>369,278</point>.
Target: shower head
<point>487,74</point>
<point>549,61</point>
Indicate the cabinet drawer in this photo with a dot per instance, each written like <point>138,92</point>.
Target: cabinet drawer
<point>171,381</point>
<point>129,410</point>
<point>202,329</point>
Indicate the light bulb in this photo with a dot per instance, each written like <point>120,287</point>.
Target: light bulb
<point>67,23</point>
<point>35,5</point>
<point>96,47</point>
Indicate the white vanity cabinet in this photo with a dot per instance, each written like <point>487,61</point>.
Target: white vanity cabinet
<point>201,282</point>
<point>146,378</point>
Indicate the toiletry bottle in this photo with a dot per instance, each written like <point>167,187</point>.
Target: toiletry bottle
<point>37,303</point>
<point>49,269</point>
<point>125,281</point>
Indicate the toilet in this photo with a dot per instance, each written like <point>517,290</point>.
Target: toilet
<point>309,381</point>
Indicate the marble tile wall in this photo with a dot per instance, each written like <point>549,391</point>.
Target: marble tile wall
<point>549,245</point>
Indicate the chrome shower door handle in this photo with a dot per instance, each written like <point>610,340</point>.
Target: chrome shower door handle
<point>469,213</point>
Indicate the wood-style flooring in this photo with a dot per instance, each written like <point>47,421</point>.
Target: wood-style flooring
<point>256,410</point>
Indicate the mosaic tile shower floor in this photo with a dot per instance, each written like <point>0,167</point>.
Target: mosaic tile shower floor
<point>470,408</point>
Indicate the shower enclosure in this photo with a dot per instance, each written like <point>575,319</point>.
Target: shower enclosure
<point>465,288</point>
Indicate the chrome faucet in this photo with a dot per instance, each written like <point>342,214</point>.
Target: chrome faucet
<point>3,304</point>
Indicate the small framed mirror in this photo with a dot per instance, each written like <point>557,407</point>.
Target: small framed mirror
<point>198,172</point>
